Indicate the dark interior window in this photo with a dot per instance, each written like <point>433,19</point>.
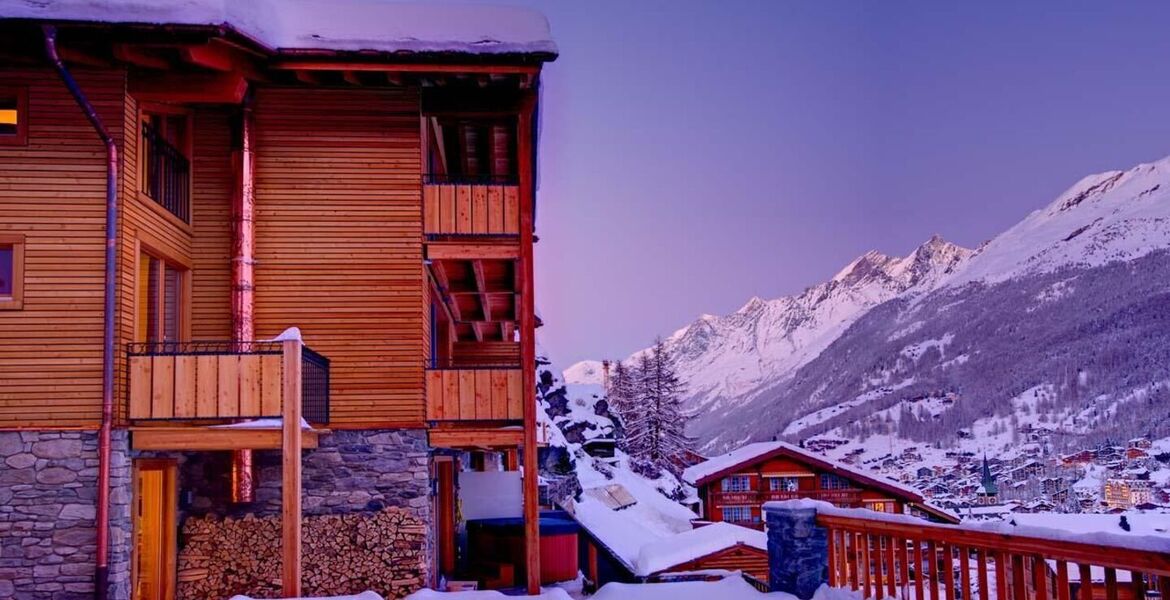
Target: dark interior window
<point>473,150</point>
<point>7,266</point>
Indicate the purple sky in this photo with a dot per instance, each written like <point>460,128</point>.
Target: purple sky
<point>698,153</point>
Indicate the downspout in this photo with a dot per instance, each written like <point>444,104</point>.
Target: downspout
<point>102,518</point>
<point>243,267</point>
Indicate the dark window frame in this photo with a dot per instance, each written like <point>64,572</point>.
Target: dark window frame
<point>15,300</point>
<point>20,138</point>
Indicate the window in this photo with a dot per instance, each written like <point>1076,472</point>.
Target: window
<point>738,514</point>
<point>466,150</point>
<point>833,482</point>
<point>166,170</point>
<point>883,507</point>
<point>783,484</point>
<point>160,300</point>
<point>737,483</point>
<point>13,116</point>
<point>11,271</point>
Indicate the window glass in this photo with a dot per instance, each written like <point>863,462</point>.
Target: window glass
<point>7,268</point>
<point>783,484</point>
<point>737,483</point>
<point>738,514</point>
<point>833,482</point>
<point>160,294</point>
<point>10,116</point>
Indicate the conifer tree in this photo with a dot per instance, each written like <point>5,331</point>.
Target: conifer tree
<point>620,395</point>
<point>656,437</point>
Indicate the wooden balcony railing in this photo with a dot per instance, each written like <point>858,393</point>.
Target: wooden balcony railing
<point>221,380</point>
<point>471,207</point>
<point>888,556</point>
<point>475,394</point>
<point>839,497</point>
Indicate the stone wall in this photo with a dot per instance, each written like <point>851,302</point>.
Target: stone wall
<point>48,493</point>
<point>798,549</point>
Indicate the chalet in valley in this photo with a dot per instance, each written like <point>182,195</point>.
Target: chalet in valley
<point>734,486</point>
<point>266,296</point>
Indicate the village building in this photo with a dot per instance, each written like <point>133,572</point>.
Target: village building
<point>1127,493</point>
<point>988,493</point>
<point>272,292</point>
<point>733,487</point>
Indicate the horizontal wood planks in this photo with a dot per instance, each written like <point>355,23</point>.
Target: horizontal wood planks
<point>52,190</point>
<point>471,209</point>
<point>338,241</point>
<point>211,223</point>
<point>741,557</point>
<point>485,354</point>
<point>474,395</point>
<point>205,386</point>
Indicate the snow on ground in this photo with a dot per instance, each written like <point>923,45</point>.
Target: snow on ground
<point>546,594</point>
<point>586,372</point>
<point>730,588</point>
<point>914,351</point>
<point>344,25</point>
<point>687,546</point>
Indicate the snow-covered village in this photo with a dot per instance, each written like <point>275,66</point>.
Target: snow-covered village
<point>606,300</point>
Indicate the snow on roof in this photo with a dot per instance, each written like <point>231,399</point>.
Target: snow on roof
<point>339,25</point>
<point>689,545</point>
<point>751,452</point>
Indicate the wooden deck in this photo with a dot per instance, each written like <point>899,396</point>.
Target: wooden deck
<point>471,209</point>
<point>474,394</point>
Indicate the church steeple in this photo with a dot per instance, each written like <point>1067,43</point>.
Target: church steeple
<point>989,491</point>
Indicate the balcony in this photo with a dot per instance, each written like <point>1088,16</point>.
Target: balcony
<point>484,393</point>
<point>463,206</point>
<point>206,385</point>
<point>166,174</point>
<point>754,497</point>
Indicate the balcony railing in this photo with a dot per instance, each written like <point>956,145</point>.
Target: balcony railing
<point>167,174</point>
<point>471,206</point>
<point>192,381</point>
<point>897,556</point>
<point>839,497</point>
<point>475,393</point>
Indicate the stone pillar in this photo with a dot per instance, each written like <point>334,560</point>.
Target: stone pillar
<point>798,550</point>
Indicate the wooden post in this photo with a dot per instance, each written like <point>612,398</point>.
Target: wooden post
<point>290,494</point>
<point>528,343</point>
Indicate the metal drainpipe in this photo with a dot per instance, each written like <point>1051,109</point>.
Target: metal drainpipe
<point>243,266</point>
<point>102,519</point>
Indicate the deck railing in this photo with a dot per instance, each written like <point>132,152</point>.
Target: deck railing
<point>898,556</point>
<point>456,205</point>
<point>167,174</point>
<point>192,381</point>
<point>475,393</point>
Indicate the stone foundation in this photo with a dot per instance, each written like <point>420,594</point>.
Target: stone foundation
<point>48,493</point>
<point>384,551</point>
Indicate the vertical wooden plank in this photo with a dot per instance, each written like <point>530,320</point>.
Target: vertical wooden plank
<point>435,395</point>
<point>930,565</point>
<point>271,375</point>
<point>290,498</point>
<point>515,394</point>
<point>140,387</point>
<point>447,208</point>
<point>499,394</point>
<point>511,209</point>
<point>463,209</point>
<point>855,561</point>
<point>466,394</point>
<point>1062,589</point>
<point>879,565</point>
<point>1001,576</point>
<point>206,386</point>
<point>1040,576</point>
<point>948,571</point>
<point>1110,583</point>
<point>1019,581</point>
<point>483,394</point>
<point>965,572</point>
<point>919,575</point>
<point>904,564</point>
<point>228,398</point>
<point>430,208</point>
<point>866,566</point>
<point>890,572</point>
<point>832,551</point>
<point>249,373</point>
<point>185,401</point>
<point>1086,590</point>
<point>1164,585</point>
<point>162,391</point>
<point>495,203</point>
<point>479,209</point>
<point>1138,583</point>
<point>451,393</point>
<point>981,571</point>
<point>527,321</point>
<point>843,559</point>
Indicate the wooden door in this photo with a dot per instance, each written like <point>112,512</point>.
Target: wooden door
<point>446,516</point>
<point>155,500</point>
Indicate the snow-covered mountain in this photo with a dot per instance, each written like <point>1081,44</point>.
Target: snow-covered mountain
<point>1080,286</point>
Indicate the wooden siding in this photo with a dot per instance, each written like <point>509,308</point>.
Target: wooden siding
<point>474,394</point>
<point>465,209</point>
<point>486,354</point>
<point>52,190</point>
<point>205,386</point>
<point>740,557</point>
<point>338,242</point>
<point>211,214</point>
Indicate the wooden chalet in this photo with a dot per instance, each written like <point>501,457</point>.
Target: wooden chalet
<point>181,188</point>
<point>733,487</point>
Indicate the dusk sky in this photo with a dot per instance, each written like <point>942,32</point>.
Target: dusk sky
<point>696,154</point>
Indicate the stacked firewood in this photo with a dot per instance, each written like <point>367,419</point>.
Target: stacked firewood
<point>382,551</point>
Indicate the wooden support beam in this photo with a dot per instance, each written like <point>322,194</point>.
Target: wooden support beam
<point>444,286</point>
<point>208,88</point>
<point>309,77</point>
<point>351,78</point>
<point>477,329</point>
<point>311,65</point>
<point>476,438</point>
<point>211,55</point>
<point>194,438</point>
<point>80,57</point>
<point>481,287</point>
<point>290,518</point>
<point>472,251</point>
<point>527,317</point>
<point>140,56</point>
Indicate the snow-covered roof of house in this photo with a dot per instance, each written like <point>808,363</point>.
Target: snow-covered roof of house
<point>684,547</point>
<point>324,25</point>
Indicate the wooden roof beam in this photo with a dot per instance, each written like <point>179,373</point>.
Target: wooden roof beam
<point>81,57</point>
<point>208,88</point>
<point>445,284</point>
<point>139,56</point>
<point>477,328</point>
<point>351,78</point>
<point>481,287</point>
<point>216,57</point>
<point>308,77</point>
<point>312,65</point>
